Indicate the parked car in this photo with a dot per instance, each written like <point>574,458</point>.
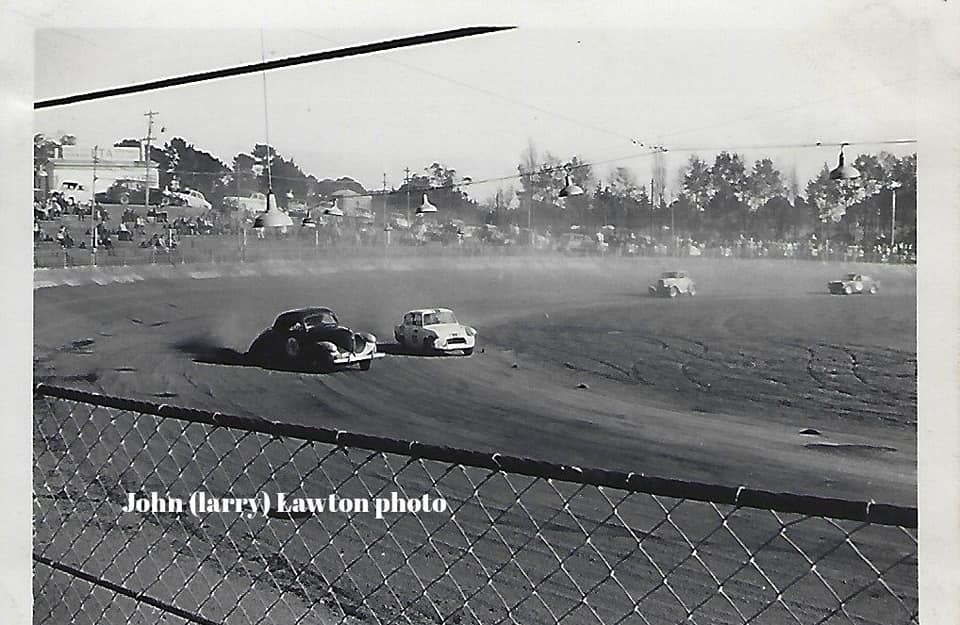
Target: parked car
<point>253,203</point>
<point>488,234</point>
<point>399,221</point>
<point>191,198</point>
<point>312,338</point>
<point>435,329</point>
<point>72,192</point>
<point>578,243</point>
<point>298,209</point>
<point>853,284</point>
<point>672,284</point>
<point>131,192</point>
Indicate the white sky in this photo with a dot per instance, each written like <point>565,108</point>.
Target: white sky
<point>573,78</point>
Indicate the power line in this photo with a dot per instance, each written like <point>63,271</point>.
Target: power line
<point>494,94</point>
<point>793,107</point>
<point>566,166</point>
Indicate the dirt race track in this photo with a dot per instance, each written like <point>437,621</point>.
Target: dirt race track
<point>575,364</point>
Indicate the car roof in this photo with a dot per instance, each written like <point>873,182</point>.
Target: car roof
<point>305,311</point>
<point>429,310</point>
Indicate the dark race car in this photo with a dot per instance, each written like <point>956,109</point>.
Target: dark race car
<point>853,284</point>
<point>134,192</point>
<point>312,338</point>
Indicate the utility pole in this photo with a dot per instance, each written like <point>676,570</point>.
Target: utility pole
<point>893,215</point>
<point>93,207</point>
<point>653,205</point>
<point>673,234</point>
<point>406,180</point>
<point>386,239</point>
<point>894,185</point>
<point>146,158</point>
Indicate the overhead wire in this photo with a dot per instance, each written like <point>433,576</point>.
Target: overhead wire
<point>593,163</point>
<point>264,66</point>
<point>492,93</point>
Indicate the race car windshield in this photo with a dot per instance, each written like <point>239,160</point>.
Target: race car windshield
<point>851,276</point>
<point>322,319</point>
<point>443,316</point>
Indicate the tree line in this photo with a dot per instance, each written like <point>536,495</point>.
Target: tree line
<point>722,200</point>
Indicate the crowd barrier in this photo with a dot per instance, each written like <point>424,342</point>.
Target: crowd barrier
<point>232,249</point>
<point>445,535</point>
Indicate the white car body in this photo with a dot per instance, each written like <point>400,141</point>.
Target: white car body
<point>435,329</point>
<point>71,189</point>
<point>255,203</point>
<point>194,200</point>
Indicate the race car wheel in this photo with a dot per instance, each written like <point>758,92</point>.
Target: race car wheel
<point>691,290</point>
<point>292,347</point>
<point>365,364</point>
<point>124,198</point>
<point>873,289</point>
<point>674,291</point>
<point>848,290</point>
<point>468,351</point>
<point>428,345</point>
<point>165,201</point>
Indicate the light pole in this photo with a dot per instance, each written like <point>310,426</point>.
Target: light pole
<point>93,208</point>
<point>673,231</point>
<point>146,158</point>
<point>653,200</point>
<point>406,183</point>
<point>844,172</point>
<point>893,211</point>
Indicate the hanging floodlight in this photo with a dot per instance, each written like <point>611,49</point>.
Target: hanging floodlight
<point>570,189</point>
<point>426,206</point>
<point>843,171</point>
<point>273,217</point>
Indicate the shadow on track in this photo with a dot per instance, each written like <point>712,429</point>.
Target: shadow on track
<point>396,349</point>
<point>204,351</point>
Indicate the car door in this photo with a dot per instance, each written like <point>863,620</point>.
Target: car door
<point>404,327</point>
<point>416,329</point>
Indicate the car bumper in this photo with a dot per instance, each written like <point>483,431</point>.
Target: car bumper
<point>468,343</point>
<point>349,358</point>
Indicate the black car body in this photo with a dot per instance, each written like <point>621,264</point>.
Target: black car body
<point>133,192</point>
<point>313,338</point>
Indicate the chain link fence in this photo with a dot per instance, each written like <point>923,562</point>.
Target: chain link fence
<point>445,535</point>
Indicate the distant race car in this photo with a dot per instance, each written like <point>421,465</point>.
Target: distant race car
<point>853,284</point>
<point>313,338</point>
<point>435,329</point>
<point>672,284</point>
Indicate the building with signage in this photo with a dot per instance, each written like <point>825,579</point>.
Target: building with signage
<point>76,164</point>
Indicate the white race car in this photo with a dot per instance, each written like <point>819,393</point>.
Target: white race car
<point>435,329</point>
